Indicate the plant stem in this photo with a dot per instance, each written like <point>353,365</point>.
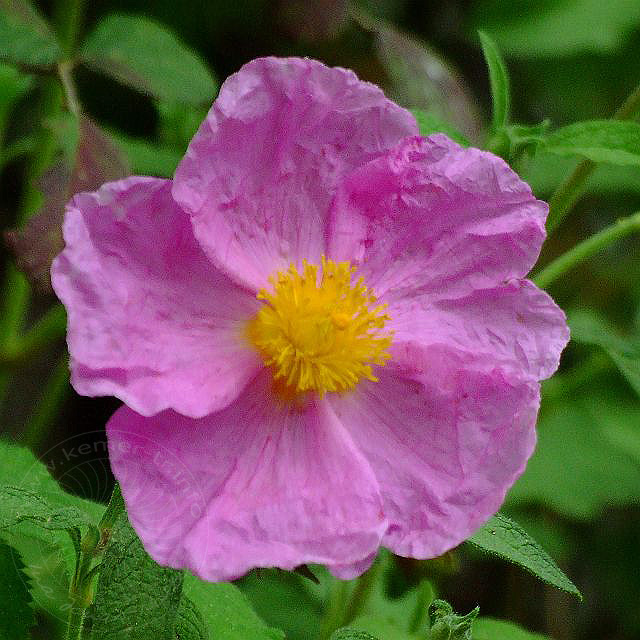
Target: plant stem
<point>76,621</point>
<point>587,248</point>
<point>114,509</point>
<point>568,192</point>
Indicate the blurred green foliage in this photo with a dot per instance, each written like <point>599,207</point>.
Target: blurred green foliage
<point>147,81</point>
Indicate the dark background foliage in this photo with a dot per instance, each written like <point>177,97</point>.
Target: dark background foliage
<point>568,60</point>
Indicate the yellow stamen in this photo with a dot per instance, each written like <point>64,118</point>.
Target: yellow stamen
<point>320,336</point>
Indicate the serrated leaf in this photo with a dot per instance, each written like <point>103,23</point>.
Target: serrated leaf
<point>49,564</point>
<point>25,38</point>
<point>16,614</point>
<point>429,123</point>
<point>612,141</point>
<point>589,328</point>
<point>226,612</point>
<point>147,56</point>
<point>189,623</point>
<point>506,539</point>
<point>18,505</point>
<point>492,629</point>
<point>351,634</point>
<point>37,533</point>
<point>136,599</point>
<point>19,468</point>
<point>499,81</point>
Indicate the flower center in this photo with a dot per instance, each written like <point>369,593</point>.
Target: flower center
<point>320,334</point>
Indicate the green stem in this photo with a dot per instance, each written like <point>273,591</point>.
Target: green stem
<point>76,621</point>
<point>568,192</point>
<point>80,590</point>
<point>53,395</point>
<point>114,509</point>
<point>587,248</point>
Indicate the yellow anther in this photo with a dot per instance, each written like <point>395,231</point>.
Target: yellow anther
<point>320,334</point>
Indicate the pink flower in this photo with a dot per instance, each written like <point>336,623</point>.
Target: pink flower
<point>320,329</point>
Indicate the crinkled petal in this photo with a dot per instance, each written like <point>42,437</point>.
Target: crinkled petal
<point>259,175</point>
<point>445,438</point>
<point>435,218</point>
<point>514,325</point>
<point>150,319</point>
<point>257,484</point>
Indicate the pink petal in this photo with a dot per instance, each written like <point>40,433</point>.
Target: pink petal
<point>432,217</point>
<point>514,325</point>
<point>257,484</point>
<point>151,320</point>
<point>445,439</point>
<point>259,176</point>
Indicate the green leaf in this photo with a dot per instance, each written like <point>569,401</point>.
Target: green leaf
<point>16,614</point>
<point>448,625</point>
<point>589,328</point>
<point>148,57</point>
<point>429,123</point>
<point>226,612</point>
<point>18,505</point>
<point>581,480</point>
<point>49,561</point>
<point>492,629</point>
<point>178,123</point>
<point>499,81</point>
<point>189,623</point>
<point>380,626</point>
<point>558,27</point>
<point>545,171</point>
<point>147,158</point>
<point>25,38</point>
<point>13,86</point>
<point>136,599</point>
<point>20,470</point>
<point>612,141</point>
<point>351,634</point>
<point>506,539</point>
<point>286,600</point>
